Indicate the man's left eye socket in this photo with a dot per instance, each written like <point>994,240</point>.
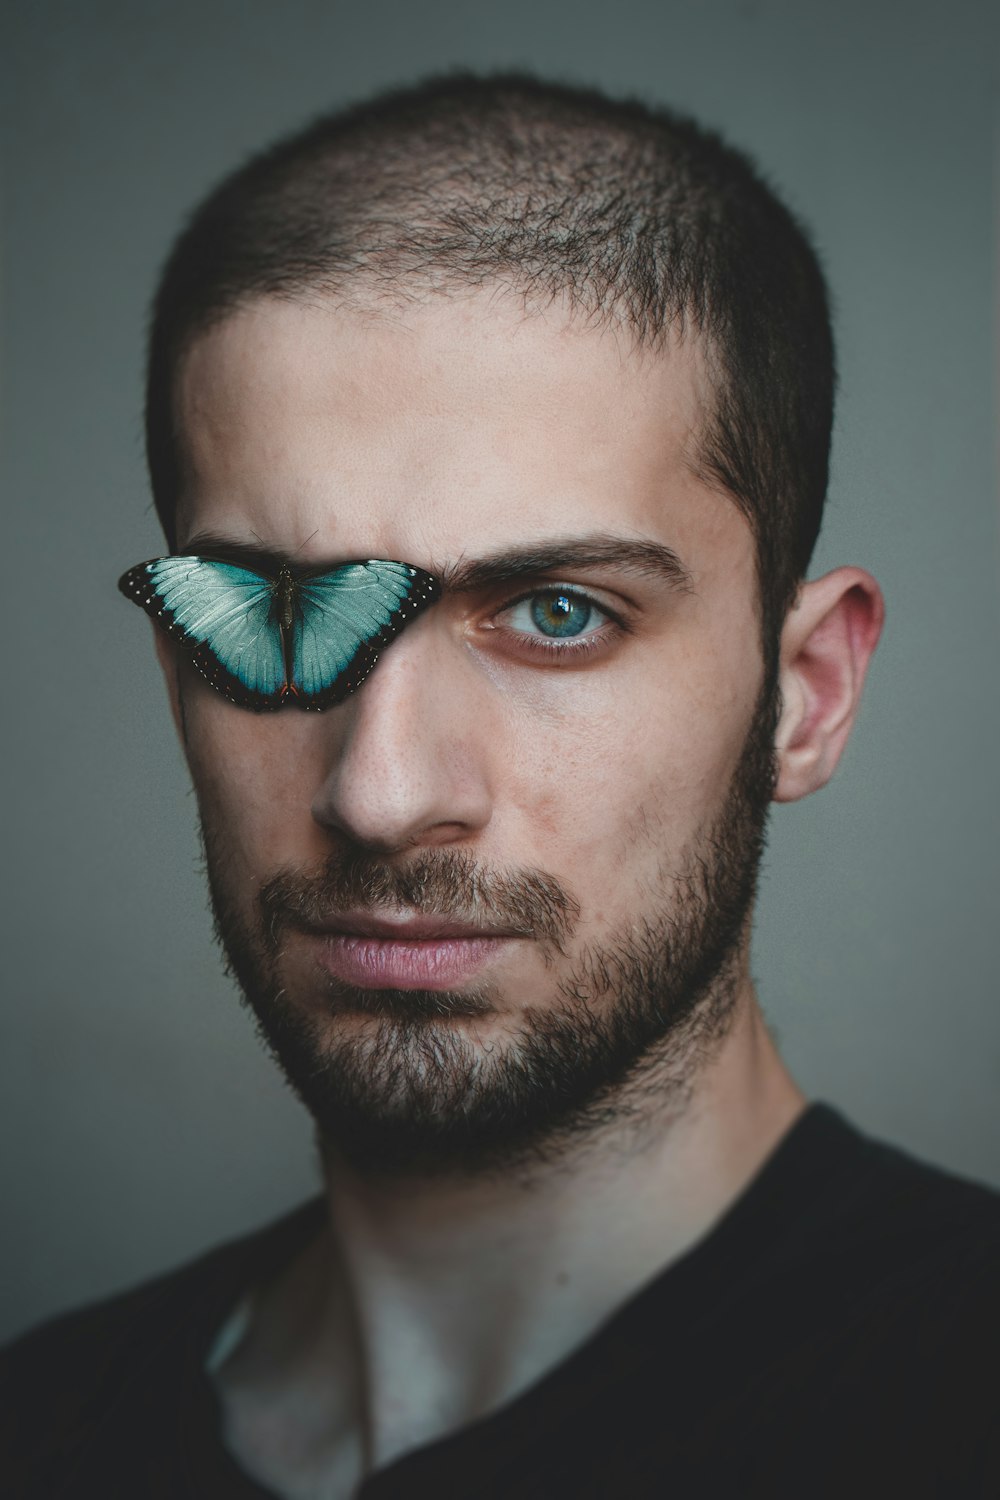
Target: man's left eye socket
<point>264,638</point>
<point>556,614</point>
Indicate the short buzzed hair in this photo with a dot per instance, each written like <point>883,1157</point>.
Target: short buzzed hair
<point>636,215</point>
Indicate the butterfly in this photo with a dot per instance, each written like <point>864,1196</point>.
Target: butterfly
<point>284,635</point>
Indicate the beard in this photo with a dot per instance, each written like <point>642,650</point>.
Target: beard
<point>410,1092</point>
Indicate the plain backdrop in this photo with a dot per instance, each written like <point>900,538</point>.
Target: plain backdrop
<point>141,1122</point>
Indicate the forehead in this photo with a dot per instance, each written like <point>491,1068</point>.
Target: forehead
<point>460,425</point>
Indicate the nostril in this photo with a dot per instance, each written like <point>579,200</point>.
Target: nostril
<point>389,802</point>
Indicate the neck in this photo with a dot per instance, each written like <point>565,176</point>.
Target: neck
<point>426,1305</point>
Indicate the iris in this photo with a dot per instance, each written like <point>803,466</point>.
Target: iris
<point>561,614</point>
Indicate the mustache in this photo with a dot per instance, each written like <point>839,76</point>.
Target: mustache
<point>444,883</point>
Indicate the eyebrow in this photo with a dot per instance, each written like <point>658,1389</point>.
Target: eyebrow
<point>639,556</point>
<point>219,548</point>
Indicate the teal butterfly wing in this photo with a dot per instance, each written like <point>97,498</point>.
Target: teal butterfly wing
<point>344,618</point>
<point>308,637</point>
<point>225,616</point>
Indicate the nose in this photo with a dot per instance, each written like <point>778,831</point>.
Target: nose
<point>407,760</point>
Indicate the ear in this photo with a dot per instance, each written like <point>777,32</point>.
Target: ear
<point>826,645</point>
<point>166,652</point>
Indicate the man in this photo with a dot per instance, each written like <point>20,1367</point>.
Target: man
<point>492,419</point>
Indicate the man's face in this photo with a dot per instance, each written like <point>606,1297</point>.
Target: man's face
<point>563,773</point>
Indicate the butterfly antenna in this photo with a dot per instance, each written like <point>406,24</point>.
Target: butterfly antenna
<point>288,555</point>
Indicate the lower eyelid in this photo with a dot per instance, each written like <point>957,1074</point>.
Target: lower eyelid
<point>554,651</point>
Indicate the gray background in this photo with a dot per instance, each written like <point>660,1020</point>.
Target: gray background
<point>141,1123</point>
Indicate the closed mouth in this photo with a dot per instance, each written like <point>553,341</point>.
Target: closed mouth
<point>408,929</point>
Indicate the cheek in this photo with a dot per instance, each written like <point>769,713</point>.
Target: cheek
<point>607,797</point>
<point>252,776</point>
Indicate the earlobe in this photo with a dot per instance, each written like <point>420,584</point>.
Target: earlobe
<point>826,644</point>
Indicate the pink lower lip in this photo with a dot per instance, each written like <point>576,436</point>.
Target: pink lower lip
<point>427,964</point>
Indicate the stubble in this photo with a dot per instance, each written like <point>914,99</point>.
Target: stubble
<point>410,1090</point>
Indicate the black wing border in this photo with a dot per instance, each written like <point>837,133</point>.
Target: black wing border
<point>138,586</point>
<point>424,591</point>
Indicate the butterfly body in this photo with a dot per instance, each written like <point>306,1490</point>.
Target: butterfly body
<point>283,615</point>
<point>284,598</point>
<point>267,638</point>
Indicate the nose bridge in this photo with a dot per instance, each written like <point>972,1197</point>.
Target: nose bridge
<point>408,764</point>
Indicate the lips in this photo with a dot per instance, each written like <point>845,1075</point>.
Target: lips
<point>407,952</point>
<point>409,929</point>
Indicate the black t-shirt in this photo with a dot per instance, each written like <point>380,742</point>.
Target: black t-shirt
<point>837,1333</point>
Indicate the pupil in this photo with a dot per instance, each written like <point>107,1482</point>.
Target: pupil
<point>560,614</point>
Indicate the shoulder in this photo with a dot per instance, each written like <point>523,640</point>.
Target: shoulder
<point>60,1381</point>
<point>861,1229</point>
<point>94,1338</point>
<point>884,1315</point>
<point>901,1212</point>
<point>841,1321</point>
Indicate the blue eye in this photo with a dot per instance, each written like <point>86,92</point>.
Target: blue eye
<point>556,614</point>
<point>561,614</point>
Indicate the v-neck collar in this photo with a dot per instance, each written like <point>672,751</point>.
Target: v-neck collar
<point>689,1290</point>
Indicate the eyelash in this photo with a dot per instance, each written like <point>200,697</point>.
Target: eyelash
<point>576,647</point>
